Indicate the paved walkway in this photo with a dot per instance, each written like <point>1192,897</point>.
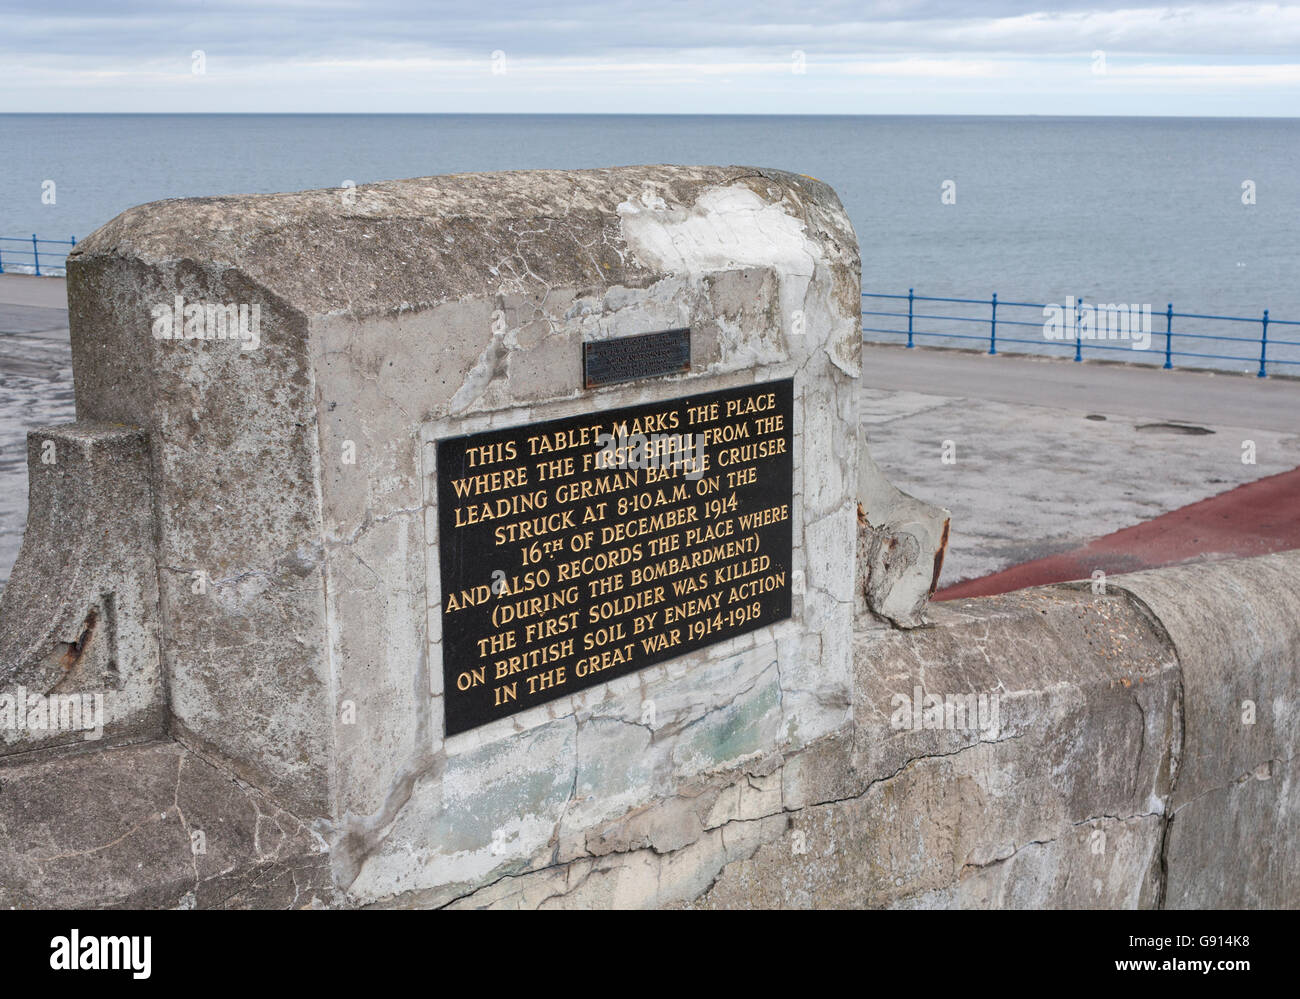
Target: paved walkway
<point>1131,390</point>
<point>1048,455</point>
<point>35,389</point>
<point>1254,519</point>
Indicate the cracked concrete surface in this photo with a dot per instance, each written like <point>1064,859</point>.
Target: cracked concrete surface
<point>1074,804</point>
<point>139,806</point>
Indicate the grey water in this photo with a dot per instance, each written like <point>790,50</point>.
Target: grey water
<point>1200,213</point>
<point>1143,210</point>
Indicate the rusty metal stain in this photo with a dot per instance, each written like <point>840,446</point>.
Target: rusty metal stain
<point>73,650</point>
<point>938,557</point>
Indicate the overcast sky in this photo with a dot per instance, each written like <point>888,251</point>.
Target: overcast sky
<point>659,56</point>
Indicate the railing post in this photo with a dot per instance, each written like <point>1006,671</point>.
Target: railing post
<point>993,327</point>
<point>909,318</point>
<point>36,257</point>
<point>1078,343</point>
<point>1169,322</point>
<point>1263,348</point>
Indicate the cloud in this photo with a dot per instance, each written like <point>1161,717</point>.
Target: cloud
<point>338,54</point>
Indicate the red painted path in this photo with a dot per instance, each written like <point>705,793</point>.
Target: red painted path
<point>1255,519</point>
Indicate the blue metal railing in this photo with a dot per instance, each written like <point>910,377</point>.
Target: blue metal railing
<point>1259,349</point>
<point>35,252</point>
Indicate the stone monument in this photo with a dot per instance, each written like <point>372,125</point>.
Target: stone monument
<point>509,539</point>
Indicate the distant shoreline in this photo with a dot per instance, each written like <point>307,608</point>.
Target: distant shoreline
<point>624,115</point>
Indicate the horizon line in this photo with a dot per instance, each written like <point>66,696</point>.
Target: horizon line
<point>630,114</point>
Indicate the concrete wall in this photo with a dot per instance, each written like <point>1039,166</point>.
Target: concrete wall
<point>1118,771</point>
<point>1099,783</point>
<point>283,601</point>
<point>1234,815</point>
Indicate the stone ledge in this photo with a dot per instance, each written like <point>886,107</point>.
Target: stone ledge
<point>880,816</point>
<point>1070,803</point>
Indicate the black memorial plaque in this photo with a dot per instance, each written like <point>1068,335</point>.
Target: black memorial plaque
<point>647,355</point>
<point>580,550</point>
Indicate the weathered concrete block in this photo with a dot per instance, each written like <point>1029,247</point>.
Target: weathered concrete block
<point>1017,752</point>
<point>1234,828</point>
<point>79,620</point>
<point>293,461</point>
<point>901,544</point>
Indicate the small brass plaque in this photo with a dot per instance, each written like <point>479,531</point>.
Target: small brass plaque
<point>625,359</point>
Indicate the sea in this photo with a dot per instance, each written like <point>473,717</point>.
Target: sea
<point>1200,213</point>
